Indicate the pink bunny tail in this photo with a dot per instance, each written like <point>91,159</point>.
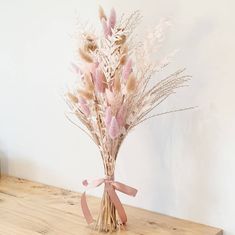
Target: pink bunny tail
<point>114,128</point>
<point>85,109</point>
<point>112,18</point>
<point>106,28</point>
<point>92,69</point>
<point>127,69</point>
<point>108,116</point>
<point>99,81</point>
<point>109,96</point>
<point>121,116</point>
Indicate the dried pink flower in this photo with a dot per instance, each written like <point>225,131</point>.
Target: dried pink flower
<point>99,81</point>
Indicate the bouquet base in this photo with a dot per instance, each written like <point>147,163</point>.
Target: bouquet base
<point>107,220</point>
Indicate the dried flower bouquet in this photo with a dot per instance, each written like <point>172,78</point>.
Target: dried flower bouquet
<point>115,95</point>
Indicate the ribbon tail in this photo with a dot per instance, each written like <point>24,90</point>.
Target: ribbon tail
<point>85,209</point>
<point>118,205</point>
<point>125,188</point>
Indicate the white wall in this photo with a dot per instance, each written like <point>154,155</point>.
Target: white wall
<point>183,164</point>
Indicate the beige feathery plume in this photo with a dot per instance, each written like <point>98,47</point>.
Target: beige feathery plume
<point>131,83</point>
<point>117,84</point>
<point>85,94</point>
<point>88,82</point>
<point>101,13</point>
<point>85,56</point>
<point>72,97</point>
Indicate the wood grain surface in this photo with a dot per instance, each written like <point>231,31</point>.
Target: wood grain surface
<point>29,208</point>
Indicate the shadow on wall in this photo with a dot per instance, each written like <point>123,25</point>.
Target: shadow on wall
<point>18,166</point>
<point>3,163</point>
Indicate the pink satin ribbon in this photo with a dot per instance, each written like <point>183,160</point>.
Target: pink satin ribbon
<point>110,187</point>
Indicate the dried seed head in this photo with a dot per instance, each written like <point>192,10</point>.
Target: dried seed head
<point>89,43</point>
<point>100,81</point>
<point>106,28</point>
<point>112,18</point>
<point>89,37</point>
<point>124,49</point>
<point>88,47</point>
<point>101,13</point>
<point>114,129</point>
<point>88,82</point>
<point>117,84</point>
<point>131,83</point>
<point>121,115</point>
<point>85,56</point>
<point>127,69</point>
<point>123,59</point>
<point>72,98</point>
<point>85,109</point>
<point>87,95</point>
<point>121,39</point>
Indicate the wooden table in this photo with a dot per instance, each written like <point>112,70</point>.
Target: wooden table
<point>29,208</point>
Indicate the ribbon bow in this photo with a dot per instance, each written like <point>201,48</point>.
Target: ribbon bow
<point>110,187</point>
